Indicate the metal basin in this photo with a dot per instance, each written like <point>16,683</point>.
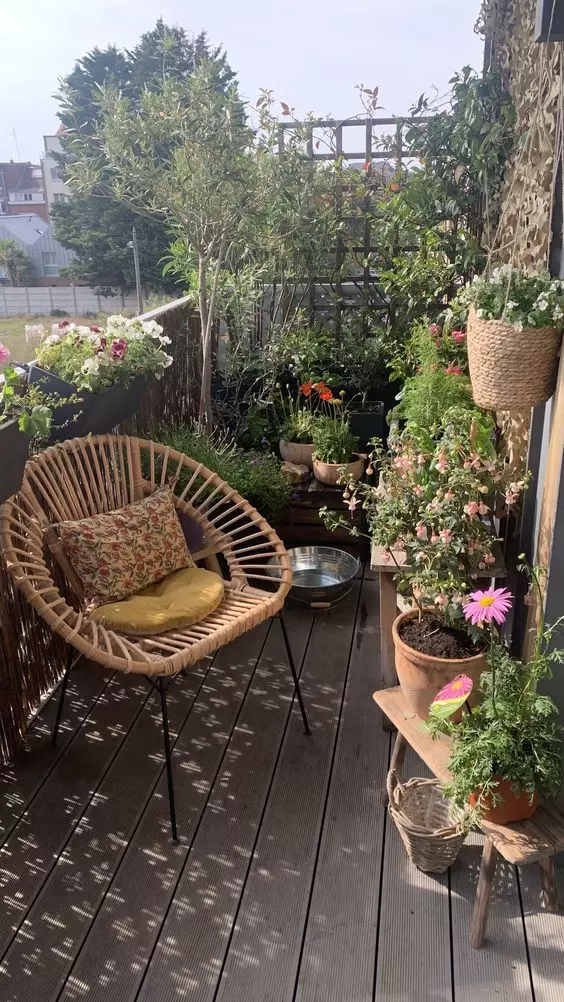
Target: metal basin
<point>321,574</point>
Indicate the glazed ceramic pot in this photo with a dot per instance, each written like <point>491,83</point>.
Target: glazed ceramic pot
<point>421,676</point>
<point>298,453</point>
<point>330,473</point>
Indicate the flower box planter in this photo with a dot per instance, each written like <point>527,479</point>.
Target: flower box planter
<point>96,414</point>
<point>369,423</point>
<point>14,451</point>
<point>511,369</point>
<point>422,676</point>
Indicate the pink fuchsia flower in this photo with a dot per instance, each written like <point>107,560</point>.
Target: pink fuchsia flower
<point>403,463</point>
<point>435,330</point>
<point>458,336</point>
<point>118,349</point>
<point>489,559</point>
<point>487,606</point>
<point>352,504</point>
<point>472,508</point>
<point>4,355</point>
<point>453,370</point>
<point>441,465</point>
<point>441,601</point>
<point>369,471</point>
<point>434,538</point>
<point>418,491</point>
<point>421,531</point>
<point>446,536</point>
<point>421,459</point>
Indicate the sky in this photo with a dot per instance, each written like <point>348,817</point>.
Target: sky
<point>311,53</point>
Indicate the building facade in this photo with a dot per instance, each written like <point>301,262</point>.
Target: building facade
<point>55,189</point>
<point>21,190</point>
<point>35,237</point>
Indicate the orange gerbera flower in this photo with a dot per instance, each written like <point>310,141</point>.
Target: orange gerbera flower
<point>326,394</point>
<point>320,386</point>
<point>306,388</point>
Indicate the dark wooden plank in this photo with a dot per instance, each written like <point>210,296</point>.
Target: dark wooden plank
<point>339,950</point>
<point>545,934</point>
<point>503,960</point>
<point>195,937</point>
<point>126,928</point>
<point>32,850</point>
<point>265,950</point>
<point>44,949</point>
<point>21,780</point>
<point>414,935</point>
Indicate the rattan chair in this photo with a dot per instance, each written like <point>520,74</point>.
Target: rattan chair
<point>85,476</point>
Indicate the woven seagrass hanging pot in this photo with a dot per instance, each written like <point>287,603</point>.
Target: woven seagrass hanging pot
<point>511,370</point>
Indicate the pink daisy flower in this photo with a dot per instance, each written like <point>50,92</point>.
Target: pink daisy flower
<point>485,606</point>
<point>452,696</point>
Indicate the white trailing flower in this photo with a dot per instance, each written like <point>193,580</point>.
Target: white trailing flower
<point>52,339</point>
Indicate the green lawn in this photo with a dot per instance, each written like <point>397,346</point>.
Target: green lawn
<point>12,333</point>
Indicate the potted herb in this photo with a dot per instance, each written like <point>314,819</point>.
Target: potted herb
<point>335,447</point>
<point>506,752</point>
<point>23,414</point>
<point>515,324</point>
<point>109,369</point>
<point>430,515</point>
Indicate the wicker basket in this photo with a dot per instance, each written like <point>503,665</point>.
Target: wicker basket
<point>511,370</point>
<point>431,835</point>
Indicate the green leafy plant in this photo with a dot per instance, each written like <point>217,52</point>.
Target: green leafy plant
<point>512,733</point>
<point>19,401</point>
<point>440,382</point>
<point>333,440</point>
<point>519,299</point>
<point>92,358</point>
<point>255,475</point>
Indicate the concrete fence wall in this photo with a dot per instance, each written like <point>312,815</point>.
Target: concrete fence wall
<point>76,300</point>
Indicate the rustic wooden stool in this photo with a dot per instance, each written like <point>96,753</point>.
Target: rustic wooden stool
<point>533,841</point>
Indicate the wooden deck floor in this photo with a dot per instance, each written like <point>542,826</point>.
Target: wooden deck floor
<point>289,885</point>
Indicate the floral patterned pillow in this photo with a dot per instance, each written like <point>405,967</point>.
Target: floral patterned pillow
<point>117,553</point>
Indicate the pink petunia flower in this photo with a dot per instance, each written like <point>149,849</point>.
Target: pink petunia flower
<point>487,606</point>
<point>4,355</point>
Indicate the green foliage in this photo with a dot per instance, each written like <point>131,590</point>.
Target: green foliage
<point>255,475</point>
<point>31,408</point>
<point>299,427</point>
<point>99,229</point>
<point>333,439</point>
<point>15,262</point>
<point>518,298</point>
<point>511,733</point>
<point>436,387</point>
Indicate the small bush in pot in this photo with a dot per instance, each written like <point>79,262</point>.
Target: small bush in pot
<point>506,752</point>
<point>335,446</point>
<point>515,323</point>
<point>296,416</point>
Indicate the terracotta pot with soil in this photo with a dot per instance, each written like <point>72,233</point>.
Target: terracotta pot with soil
<point>428,655</point>
<point>298,453</point>
<point>514,807</point>
<point>330,473</point>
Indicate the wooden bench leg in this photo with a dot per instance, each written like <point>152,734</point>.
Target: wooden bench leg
<point>548,881</point>
<point>388,612</point>
<point>396,762</point>
<point>483,892</point>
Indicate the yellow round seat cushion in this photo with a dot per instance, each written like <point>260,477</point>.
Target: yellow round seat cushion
<point>184,597</point>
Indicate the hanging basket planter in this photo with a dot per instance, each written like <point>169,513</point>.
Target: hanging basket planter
<point>510,369</point>
<point>431,834</point>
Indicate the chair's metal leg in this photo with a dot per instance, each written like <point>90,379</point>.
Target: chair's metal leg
<point>62,695</point>
<point>294,674</point>
<point>166,737</point>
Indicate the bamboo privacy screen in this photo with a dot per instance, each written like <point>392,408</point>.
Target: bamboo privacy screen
<point>31,657</point>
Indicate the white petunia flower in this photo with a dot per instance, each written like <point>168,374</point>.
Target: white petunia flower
<point>52,339</point>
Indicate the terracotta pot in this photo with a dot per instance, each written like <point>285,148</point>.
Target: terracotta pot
<point>299,453</point>
<point>422,676</point>
<point>512,808</point>
<point>330,473</point>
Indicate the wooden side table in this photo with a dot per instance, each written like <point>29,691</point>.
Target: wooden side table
<point>534,841</point>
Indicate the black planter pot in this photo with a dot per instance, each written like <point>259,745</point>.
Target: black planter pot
<point>96,414</point>
<point>369,424</point>
<point>14,450</point>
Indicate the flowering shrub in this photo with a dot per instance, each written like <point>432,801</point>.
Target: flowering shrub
<point>297,417</point>
<point>93,358</point>
<point>433,506</point>
<point>22,402</point>
<point>517,298</point>
<point>438,356</point>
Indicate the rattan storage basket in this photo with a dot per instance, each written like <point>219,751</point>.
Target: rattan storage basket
<point>511,370</point>
<point>430,833</point>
